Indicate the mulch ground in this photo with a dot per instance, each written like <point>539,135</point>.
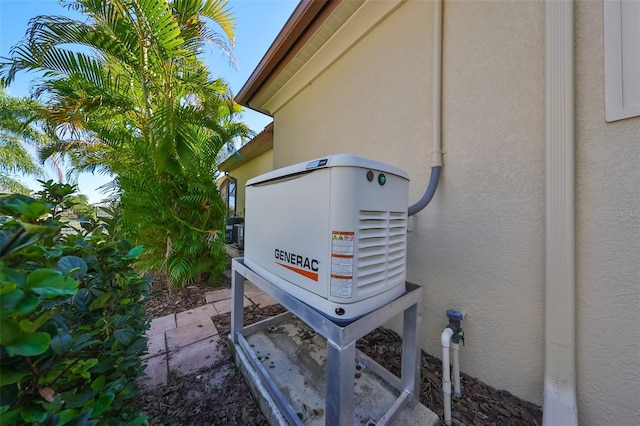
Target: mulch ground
<point>220,396</point>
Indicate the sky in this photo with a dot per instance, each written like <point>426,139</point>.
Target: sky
<point>258,22</point>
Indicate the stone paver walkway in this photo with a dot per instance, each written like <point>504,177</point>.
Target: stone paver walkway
<point>187,341</point>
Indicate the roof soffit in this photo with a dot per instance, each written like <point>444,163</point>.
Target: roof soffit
<point>304,21</point>
<point>346,26</point>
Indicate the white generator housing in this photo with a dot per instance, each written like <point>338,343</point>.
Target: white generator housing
<point>332,232</point>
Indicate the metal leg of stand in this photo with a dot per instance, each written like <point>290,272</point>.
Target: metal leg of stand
<point>411,360</point>
<point>237,300</point>
<point>339,391</point>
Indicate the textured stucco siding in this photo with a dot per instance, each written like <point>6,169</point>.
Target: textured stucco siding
<point>479,246</point>
<point>608,241</point>
<point>252,168</point>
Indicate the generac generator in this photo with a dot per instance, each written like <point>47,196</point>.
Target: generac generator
<point>332,232</point>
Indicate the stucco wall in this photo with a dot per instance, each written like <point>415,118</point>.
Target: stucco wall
<point>479,246</point>
<point>608,241</point>
<point>261,164</point>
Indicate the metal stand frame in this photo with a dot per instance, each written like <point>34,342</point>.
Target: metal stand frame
<point>342,355</point>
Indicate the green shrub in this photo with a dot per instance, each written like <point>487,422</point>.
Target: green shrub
<point>71,323</point>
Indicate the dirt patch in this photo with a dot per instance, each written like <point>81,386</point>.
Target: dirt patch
<point>219,395</point>
<point>163,300</point>
<point>212,396</point>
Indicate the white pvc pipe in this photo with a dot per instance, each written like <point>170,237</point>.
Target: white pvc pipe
<point>445,340</point>
<point>456,370</point>
<point>436,150</point>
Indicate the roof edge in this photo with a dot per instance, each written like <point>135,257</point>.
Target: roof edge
<point>260,144</point>
<point>304,21</point>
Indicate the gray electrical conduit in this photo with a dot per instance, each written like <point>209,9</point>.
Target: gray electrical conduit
<point>436,152</point>
<point>429,193</point>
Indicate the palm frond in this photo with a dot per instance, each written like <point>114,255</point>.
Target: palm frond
<point>218,12</point>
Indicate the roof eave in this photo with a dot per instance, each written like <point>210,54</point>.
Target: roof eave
<point>304,21</point>
<point>262,143</point>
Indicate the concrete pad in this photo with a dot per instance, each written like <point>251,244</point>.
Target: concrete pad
<point>155,371</point>
<point>224,306</point>
<point>196,314</point>
<point>251,291</point>
<point>156,345</point>
<point>195,356</point>
<point>263,300</point>
<point>190,333</point>
<point>265,401</point>
<point>295,359</point>
<point>162,324</point>
<point>214,296</point>
<point>417,416</point>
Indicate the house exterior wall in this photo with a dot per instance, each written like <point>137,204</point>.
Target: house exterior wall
<point>479,245</point>
<point>261,164</point>
<point>608,240</point>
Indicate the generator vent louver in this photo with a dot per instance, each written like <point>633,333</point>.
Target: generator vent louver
<point>381,253</point>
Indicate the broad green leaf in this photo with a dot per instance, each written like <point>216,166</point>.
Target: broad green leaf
<point>98,384</point>
<point>120,321</point>
<point>100,302</point>
<point>29,344</point>
<point>11,417</point>
<point>33,413</point>
<point>81,419</point>
<point>21,241</point>
<point>85,340</point>
<point>66,416</point>
<point>41,227</point>
<point>9,331</point>
<point>124,335</point>
<point>11,276</point>
<point>50,253</point>
<point>27,304</point>
<point>26,325</point>
<point>22,206</point>
<point>77,400</point>
<point>102,404</point>
<point>44,317</point>
<point>140,420</point>
<point>134,253</point>
<point>47,282</point>
<point>7,287</point>
<point>61,343</point>
<point>82,300</point>
<point>9,301</point>
<point>74,266</point>
<point>10,375</point>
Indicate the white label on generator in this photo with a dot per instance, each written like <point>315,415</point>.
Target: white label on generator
<point>342,244</point>
<point>342,265</point>
<point>341,287</point>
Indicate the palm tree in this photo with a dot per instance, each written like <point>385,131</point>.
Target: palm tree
<point>142,67</point>
<point>17,133</point>
<point>134,99</point>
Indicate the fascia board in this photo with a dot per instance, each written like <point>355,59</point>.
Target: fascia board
<point>366,18</point>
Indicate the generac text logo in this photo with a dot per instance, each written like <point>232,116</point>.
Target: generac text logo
<point>299,264</point>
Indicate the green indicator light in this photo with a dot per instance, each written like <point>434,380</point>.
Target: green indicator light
<point>382,179</point>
